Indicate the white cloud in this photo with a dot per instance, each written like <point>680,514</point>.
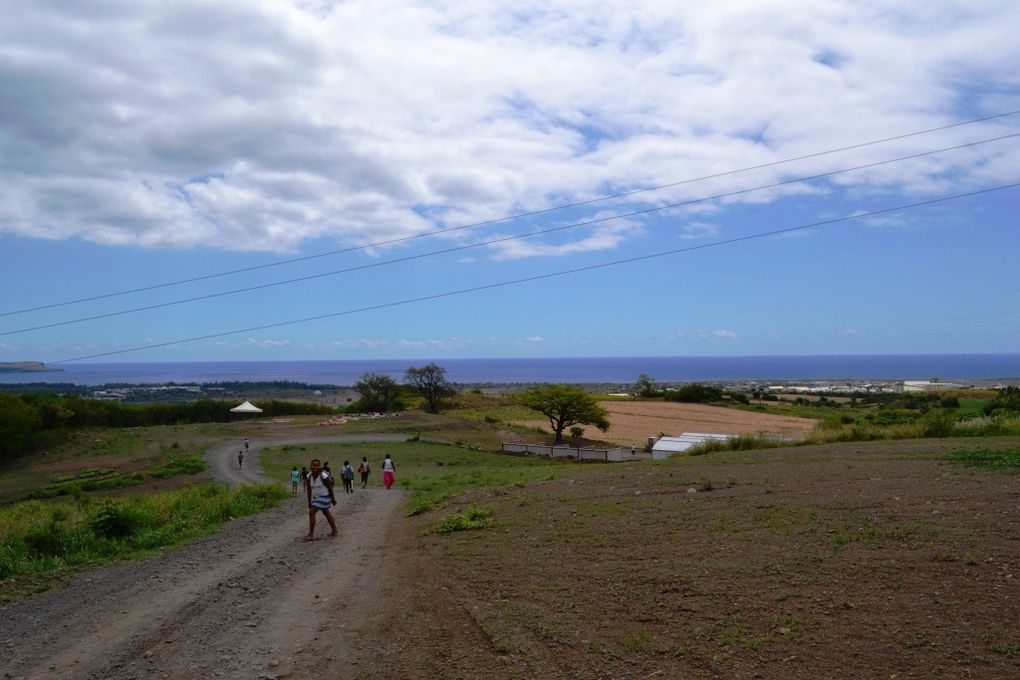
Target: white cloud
<point>264,125</point>
<point>722,333</point>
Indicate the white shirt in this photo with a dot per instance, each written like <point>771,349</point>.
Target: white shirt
<point>318,484</point>
<point>387,465</point>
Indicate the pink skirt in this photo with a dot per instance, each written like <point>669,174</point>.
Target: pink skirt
<point>387,478</point>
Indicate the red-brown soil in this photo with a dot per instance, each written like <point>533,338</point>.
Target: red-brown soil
<point>883,560</point>
<point>634,421</point>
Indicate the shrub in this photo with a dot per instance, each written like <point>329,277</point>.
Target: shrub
<point>118,520</point>
<point>938,424</point>
<point>695,393</point>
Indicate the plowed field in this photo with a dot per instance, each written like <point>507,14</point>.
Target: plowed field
<point>634,421</point>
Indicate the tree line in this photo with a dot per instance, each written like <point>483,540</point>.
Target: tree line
<point>30,420</point>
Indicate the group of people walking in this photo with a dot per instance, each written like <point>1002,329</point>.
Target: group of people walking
<point>318,484</point>
<point>317,481</point>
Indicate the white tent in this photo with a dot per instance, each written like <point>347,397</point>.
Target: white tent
<point>246,407</point>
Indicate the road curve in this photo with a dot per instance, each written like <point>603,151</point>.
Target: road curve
<point>250,601</point>
<point>221,459</point>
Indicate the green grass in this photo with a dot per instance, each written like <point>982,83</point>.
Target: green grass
<point>90,454</point>
<point>1008,459</point>
<point>431,472</point>
<point>106,479</point>
<point>470,519</point>
<point>43,543</point>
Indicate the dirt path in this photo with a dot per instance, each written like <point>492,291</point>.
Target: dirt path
<point>222,458</point>
<point>252,601</point>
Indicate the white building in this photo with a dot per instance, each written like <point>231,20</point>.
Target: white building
<point>667,446</point>
<point>928,386</point>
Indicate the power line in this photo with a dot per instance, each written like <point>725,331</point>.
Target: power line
<point>539,277</point>
<point>504,239</point>
<point>506,218</point>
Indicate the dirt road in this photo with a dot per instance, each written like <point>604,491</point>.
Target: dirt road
<point>252,601</point>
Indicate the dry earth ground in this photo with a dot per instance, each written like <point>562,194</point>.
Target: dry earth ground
<point>634,421</point>
<point>843,561</point>
<point>882,560</point>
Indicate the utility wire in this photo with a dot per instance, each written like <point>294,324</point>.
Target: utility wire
<point>508,217</point>
<point>504,239</point>
<point>539,277</point>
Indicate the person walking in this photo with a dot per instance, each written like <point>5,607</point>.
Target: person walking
<point>295,477</point>
<point>320,498</point>
<point>388,470</point>
<point>240,459</point>
<point>246,445</point>
<point>364,470</point>
<point>347,474</point>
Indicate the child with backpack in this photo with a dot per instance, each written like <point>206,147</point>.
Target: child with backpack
<point>347,474</point>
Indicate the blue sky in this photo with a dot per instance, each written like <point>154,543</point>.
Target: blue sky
<point>145,142</point>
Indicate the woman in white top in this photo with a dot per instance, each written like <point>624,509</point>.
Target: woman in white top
<point>319,489</point>
<point>388,468</point>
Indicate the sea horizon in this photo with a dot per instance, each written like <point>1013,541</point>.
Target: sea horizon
<point>577,370</point>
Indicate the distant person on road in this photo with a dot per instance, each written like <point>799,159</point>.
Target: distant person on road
<point>295,477</point>
<point>388,470</point>
<point>320,498</point>
<point>364,470</point>
<point>325,466</point>
<point>304,476</point>
<point>246,445</point>
<point>347,474</point>
<point>240,459</point>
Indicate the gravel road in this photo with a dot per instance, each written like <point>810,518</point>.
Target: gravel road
<point>251,601</point>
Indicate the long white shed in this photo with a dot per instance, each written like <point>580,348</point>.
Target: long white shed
<point>667,446</point>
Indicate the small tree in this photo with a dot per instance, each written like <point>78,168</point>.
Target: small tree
<point>645,386</point>
<point>430,381</point>
<point>564,406</point>
<point>378,393</point>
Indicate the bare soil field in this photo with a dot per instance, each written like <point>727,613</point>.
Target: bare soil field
<point>862,560</point>
<point>883,560</point>
<point>634,421</point>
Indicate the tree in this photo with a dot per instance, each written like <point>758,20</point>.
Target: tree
<point>430,381</point>
<point>695,393</point>
<point>378,393</point>
<point>564,406</point>
<point>645,386</point>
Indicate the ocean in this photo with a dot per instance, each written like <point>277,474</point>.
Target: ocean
<point>620,370</point>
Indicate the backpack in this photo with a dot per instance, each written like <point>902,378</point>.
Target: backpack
<point>347,473</point>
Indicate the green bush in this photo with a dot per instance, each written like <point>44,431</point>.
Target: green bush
<point>118,520</point>
<point>938,424</point>
<point>695,393</point>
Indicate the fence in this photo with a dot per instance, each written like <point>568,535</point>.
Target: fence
<point>614,455</point>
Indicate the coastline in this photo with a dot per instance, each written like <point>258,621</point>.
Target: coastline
<point>608,374</point>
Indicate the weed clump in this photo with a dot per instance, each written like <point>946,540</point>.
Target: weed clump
<point>470,519</point>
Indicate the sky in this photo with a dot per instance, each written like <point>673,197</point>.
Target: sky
<point>374,148</point>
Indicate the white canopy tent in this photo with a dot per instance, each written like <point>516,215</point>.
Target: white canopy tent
<point>246,407</point>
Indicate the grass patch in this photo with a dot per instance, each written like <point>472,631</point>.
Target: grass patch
<point>1008,459</point>
<point>106,479</point>
<point>43,543</point>
<point>431,472</point>
<point>471,519</point>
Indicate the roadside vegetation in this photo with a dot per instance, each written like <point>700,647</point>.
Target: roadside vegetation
<point>44,543</point>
